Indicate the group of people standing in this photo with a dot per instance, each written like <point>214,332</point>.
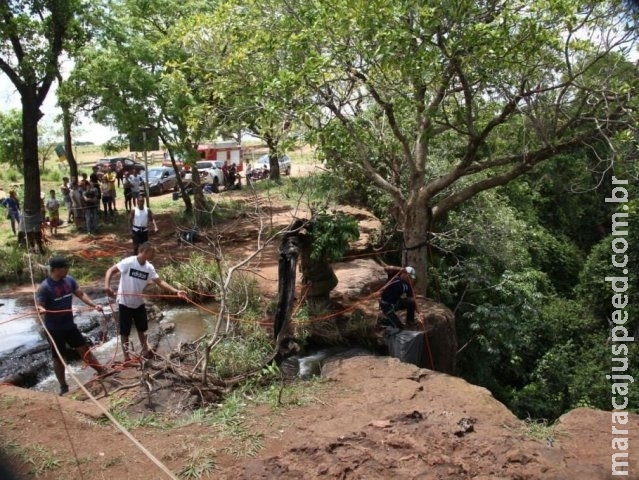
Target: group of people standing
<point>82,200</point>
<point>95,196</point>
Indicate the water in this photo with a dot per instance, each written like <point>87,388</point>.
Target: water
<point>18,328</point>
<point>25,356</point>
<point>190,323</point>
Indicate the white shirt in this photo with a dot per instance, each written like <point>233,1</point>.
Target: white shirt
<point>133,278</point>
<point>135,183</point>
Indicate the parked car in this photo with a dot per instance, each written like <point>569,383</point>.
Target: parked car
<point>126,163</point>
<point>210,173</point>
<point>284,161</point>
<point>161,179</point>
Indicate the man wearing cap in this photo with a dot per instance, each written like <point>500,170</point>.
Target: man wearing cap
<point>135,273</point>
<point>55,300</point>
<point>398,295</point>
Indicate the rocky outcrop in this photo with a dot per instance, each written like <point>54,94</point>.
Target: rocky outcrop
<point>357,292</point>
<point>394,420</point>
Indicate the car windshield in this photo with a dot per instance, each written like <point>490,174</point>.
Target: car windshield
<point>155,173</point>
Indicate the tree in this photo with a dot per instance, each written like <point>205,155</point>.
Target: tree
<point>243,67</point>
<point>11,135</point>
<point>437,103</point>
<point>33,35</point>
<point>129,77</point>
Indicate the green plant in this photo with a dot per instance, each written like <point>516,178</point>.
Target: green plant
<point>199,463</point>
<point>331,234</point>
<point>13,263</point>
<point>241,353</point>
<point>539,429</point>
<point>37,457</point>
<point>198,275</point>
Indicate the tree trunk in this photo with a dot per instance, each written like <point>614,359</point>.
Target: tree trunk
<point>67,121</point>
<point>417,227</point>
<point>31,211</point>
<point>273,155</point>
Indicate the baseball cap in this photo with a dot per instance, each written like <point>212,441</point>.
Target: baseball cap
<point>411,271</point>
<point>58,261</point>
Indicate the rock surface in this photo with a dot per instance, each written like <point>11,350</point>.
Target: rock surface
<point>373,418</point>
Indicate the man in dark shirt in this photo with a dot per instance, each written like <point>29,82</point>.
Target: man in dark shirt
<point>55,301</point>
<point>398,295</point>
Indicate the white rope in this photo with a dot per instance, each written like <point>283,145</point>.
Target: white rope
<point>128,434</point>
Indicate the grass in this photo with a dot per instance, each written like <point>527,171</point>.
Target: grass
<point>539,430</point>
<point>37,458</point>
<point>199,465</point>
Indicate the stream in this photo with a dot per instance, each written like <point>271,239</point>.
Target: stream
<point>25,356</point>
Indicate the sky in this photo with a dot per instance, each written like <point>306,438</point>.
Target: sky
<point>88,131</point>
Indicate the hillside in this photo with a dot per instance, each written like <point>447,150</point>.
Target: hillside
<point>373,418</point>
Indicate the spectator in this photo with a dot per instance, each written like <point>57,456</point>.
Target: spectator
<point>139,220</point>
<point>107,196</point>
<point>53,210</point>
<point>111,178</point>
<point>92,204</point>
<point>66,198</point>
<point>135,185</point>
<point>77,204</point>
<point>128,195</point>
<point>12,204</point>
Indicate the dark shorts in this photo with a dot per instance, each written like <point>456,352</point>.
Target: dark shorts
<point>62,338</point>
<point>129,316</point>
<point>139,237</point>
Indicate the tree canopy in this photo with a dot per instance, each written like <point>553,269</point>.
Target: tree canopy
<point>34,37</point>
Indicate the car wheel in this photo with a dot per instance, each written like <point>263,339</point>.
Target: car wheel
<point>216,184</point>
<point>160,189</point>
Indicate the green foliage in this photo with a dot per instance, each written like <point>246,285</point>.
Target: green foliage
<point>539,430</point>
<point>331,233</point>
<point>198,465</point>
<point>564,195</point>
<point>243,352</point>
<point>198,275</point>
<point>11,134</point>
<point>13,263</point>
<point>557,256</point>
<point>243,297</point>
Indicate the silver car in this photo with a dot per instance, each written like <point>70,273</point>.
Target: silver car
<point>161,179</point>
<point>284,161</point>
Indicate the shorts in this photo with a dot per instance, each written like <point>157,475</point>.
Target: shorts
<point>61,338</point>
<point>129,316</point>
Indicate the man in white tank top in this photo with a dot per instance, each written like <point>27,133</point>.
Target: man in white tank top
<point>139,220</point>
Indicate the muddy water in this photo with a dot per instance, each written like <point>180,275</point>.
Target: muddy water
<point>190,324</point>
<point>25,358</point>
